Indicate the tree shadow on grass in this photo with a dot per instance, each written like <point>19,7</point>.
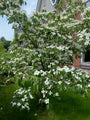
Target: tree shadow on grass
<point>16,114</point>
<point>70,107</point>
<point>7,112</point>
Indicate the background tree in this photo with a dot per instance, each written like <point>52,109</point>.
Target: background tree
<point>5,42</point>
<point>2,39</point>
<point>2,49</point>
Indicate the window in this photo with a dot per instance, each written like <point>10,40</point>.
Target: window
<point>85,0</point>
<point>86,57</point>
<point>88,2</point>
<point>85,61</point>
<point>53,2</point>
<point>58,1</point>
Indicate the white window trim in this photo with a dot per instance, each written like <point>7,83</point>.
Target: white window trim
<point>82,57</point>
<point>52,2</point>
<point>84,0</point>
<point>83,63</point>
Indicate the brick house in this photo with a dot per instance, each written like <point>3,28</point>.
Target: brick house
<point>49,5</point>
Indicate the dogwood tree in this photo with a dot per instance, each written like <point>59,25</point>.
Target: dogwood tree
<point>42,50</point>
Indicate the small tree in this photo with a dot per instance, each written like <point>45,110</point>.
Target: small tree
<point>2,39</point>
<point>40,64</point>
<point>5,43</point>
<point>2,49</point>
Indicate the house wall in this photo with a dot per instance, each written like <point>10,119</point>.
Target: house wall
<point>45,4</point>
<point>78,63</point>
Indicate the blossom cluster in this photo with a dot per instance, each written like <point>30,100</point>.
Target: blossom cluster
<point>84,37</point>
<point>22,98</point>
<point>49,84</point>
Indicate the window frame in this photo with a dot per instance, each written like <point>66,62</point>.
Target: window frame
<point>83,62</point>
<point>53,3</point>
<point>85,1</point>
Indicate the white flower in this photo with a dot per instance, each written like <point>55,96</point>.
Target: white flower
<point>87,75</point>
<point>13,104</point>
<point>70,37</point>
<point>24,76</point>
<point>66,69</point>
<point>60,48</point>
<point>52,63</point>
<point>40,100</point>
<point>36,72</point>
<point>49,71</point>
<point>50,87</point>
<point>49,66</point>
<point>59,69</point>
<point>29,89</point>
<point>46,82</point>
<point>35,114</point>
<point>18,104</point>
<point>57,94</point>
<point>51,46</point>
<point>54,73</point>
<point>47,101</point>
<point>79,85</point>
<point>23,99</point>
<point>43,95</point>
<point>31,96</point>
<point>20,92</point>
<point>67,82</point>
<point>28,108</point>
<point>20,73</point>
<point>25,96</point>
<point>26,105</point>
<point>77,77</point>
<point>44,73</point>
<point>59,82</point>
<point>3,62</point>
<point>43,91</point>
<point>39,55</point>
<point>23,107</point>
<point>88,85</point>
<point>50,93</point>
<point>11,52</point>
<point>14,72</point>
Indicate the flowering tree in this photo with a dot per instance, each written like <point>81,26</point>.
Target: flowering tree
<point>41,52</point>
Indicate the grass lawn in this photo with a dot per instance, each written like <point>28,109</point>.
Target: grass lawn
<point>71,107</point>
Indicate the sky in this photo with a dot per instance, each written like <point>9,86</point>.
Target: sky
<point>6,29</point>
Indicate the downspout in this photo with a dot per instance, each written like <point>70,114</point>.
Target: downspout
<point>38,5</point>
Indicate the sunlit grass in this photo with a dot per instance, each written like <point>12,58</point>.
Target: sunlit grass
<point>70,107</point>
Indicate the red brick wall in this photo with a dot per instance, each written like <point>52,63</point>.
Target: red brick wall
<point>77,62</point>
